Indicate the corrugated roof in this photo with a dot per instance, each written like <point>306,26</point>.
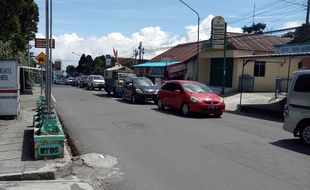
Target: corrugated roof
<point>236,41</point>
<point>262,43</point>
<point>156,64</point>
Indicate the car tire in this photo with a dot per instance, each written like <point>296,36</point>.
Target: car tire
<point>185,109</point>
<point>133,99</point>
<point>123,97</point>
<point>218,115</point>
<point>160,104</point>
<point>304,134</point>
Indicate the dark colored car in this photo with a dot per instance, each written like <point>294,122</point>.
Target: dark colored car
<point>83,81</point>
<point>139,89</point>
<point>190,97</point>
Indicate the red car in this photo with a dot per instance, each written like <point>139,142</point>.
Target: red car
<point>190,97</point>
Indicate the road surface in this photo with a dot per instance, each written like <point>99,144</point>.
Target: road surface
<point>165,151</point>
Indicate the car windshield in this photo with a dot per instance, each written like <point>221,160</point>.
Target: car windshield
<point>195,87</point>
<point>143,82</point>
<point>98,78</point>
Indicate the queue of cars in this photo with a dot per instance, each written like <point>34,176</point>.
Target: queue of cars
<point>189,97</point>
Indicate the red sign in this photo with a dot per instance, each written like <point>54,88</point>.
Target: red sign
<point>177,69</point>
<point>41,43</point>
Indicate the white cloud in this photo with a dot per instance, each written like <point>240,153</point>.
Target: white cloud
<point>152,38</point>
<point>292,24</point>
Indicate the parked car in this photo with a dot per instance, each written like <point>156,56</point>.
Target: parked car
<point>69,81</point>
<point>297,108</point>
<point>83,81</point>
<point>139,89</point>
<point>95,81</point>
<point>60,81</point>
<point>76,80</point>
<point>190,97</point>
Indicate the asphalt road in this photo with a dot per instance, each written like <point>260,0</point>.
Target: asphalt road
<point>165,151</point>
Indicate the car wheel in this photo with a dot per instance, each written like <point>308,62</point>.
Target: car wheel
<point>185,109</point>
<point>160,104</point>
<point>305,134</point>
<point>123,97</point>
<point>218,115</point>
<point>133,99</point>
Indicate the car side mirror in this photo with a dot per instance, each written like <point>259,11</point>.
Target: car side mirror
<point>177,91</point>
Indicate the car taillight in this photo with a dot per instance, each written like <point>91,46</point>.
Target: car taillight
<point>286,111</point>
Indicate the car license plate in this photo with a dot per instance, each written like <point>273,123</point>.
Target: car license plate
<point>212,107</point>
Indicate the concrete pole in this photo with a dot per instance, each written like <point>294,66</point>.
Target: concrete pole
<point>50,64</point>
<point>308,9</point>
<point>46,50</point>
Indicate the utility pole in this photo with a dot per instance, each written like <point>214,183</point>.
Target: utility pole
<point>253,14</point>
<point>140,52</point>
<point>308,9</point>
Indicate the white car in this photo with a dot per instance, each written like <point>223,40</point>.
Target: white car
<point>95,81</point>
<point>297,108</point>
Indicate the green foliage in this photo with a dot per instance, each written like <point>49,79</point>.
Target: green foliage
<point>71,70</point>
<point>289,35</point>
<point>255,28</point>
<point>19,20</point>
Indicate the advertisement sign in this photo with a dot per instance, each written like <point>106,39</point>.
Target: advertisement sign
<point>41,43</point>
<point>177,69</point>
<point>57,65</point>
<point>293,48</point>
<point>217,32</point>
<point>9,74</point>
<point>108,60</point>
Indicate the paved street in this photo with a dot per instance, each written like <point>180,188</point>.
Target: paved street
<point>165,151</point>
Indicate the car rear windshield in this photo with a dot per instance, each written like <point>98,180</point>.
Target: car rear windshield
<point>143,82</point>
<point>98,78</point>
<point>195,87</point>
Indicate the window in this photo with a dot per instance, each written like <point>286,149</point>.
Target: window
<point>302,84</point>
<point>259,68</point>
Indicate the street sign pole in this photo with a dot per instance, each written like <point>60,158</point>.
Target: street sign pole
<point>50,64</point>
<point>46,49</point>
<point>224,59</point>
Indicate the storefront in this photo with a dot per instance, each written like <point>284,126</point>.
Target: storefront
<point>161,71</point>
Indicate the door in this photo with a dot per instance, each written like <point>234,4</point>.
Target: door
<point>127,88</point>
<point>176,99</point>
<point>216,73</point>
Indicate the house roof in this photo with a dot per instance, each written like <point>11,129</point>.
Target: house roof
<point>262,43</point>
<point>236,41</point>
<point>156,64</point>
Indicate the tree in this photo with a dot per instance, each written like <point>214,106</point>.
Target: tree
<point>71,70</point>
<point>82,65</point>
<point>19,21</point>
<point>99,63</point>
<point>255,28</point>
<point>288,35</point>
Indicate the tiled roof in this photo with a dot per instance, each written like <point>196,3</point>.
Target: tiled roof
<point>236,41</point>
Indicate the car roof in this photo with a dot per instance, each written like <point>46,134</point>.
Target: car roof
<point>182,81</point>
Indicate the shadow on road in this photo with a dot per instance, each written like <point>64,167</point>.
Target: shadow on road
<point>103,95</point>
<point>27,150</point>
<point>179,114</point>
<point>257,116</point>
<point>294,145</point>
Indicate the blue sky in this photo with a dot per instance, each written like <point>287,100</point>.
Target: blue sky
<point>96,26</point>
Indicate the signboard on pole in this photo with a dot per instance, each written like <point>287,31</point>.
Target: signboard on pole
<point>41,43</point>
<point>217,32</point>
<point>108,60</point>
<point>41,58</point>
<point>292,48</point>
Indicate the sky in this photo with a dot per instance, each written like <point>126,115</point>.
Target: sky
<point>95,27</point>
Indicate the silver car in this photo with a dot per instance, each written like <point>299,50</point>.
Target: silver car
<point>95,81</point>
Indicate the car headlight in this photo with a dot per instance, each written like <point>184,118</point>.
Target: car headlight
<point>194,99</point>
<point>139,91</point>
<point>156,92</point>
<point>221,99</point>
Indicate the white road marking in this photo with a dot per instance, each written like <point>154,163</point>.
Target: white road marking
<point>54,100</point>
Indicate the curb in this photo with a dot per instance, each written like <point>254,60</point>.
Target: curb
<point>261,111</point>
<point>50,171</point>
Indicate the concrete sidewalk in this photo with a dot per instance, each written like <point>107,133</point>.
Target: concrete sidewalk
<point>16,153</point>
<point>262,103</point>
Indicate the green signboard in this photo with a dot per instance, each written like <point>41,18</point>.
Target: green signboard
<point>47,150</point>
